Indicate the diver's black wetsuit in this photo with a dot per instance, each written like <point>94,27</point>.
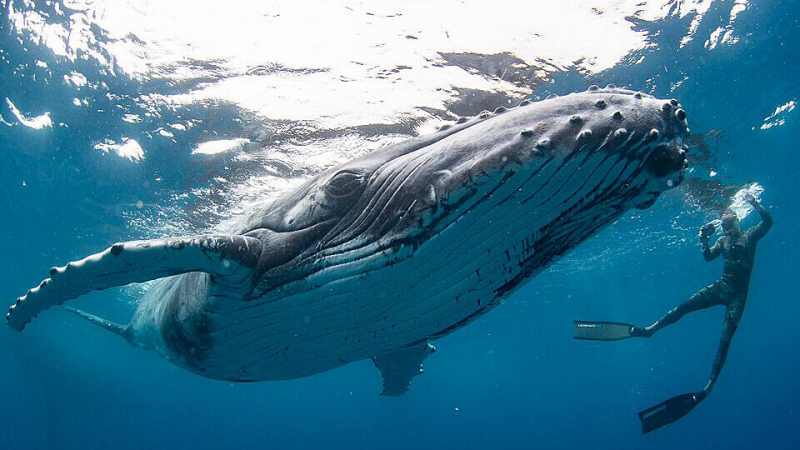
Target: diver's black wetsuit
<point>738,249</point>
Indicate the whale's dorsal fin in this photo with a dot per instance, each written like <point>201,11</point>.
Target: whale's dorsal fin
<point>230,259</point>
<point>398,368</point>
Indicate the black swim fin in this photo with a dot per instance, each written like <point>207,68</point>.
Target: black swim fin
<point>603,331</point>
<point>669,411</point>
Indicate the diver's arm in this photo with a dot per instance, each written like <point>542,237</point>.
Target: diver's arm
<point>760,230</point>
<point>709,254</point>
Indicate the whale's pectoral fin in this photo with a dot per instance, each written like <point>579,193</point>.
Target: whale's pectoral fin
<point>398,368</point>
<point>228,258</point>
<point>115,328</point>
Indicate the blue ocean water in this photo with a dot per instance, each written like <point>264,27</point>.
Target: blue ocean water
<point>72,183</point>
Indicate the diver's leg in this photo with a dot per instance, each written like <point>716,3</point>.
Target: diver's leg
<point>705,298</point>
<point>733,315</point>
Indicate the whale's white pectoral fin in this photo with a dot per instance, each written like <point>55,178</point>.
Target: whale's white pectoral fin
<point>229,258</point>
<point>398,368</point>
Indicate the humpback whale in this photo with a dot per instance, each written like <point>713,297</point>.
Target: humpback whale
<point>378,257</point>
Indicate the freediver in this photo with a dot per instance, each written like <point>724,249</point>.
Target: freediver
<point>738,250</point>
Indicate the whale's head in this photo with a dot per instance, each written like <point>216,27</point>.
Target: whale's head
<point>620,146</point>
<point>568,164</point>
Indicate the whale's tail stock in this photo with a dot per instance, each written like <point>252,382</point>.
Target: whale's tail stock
<point>231,259</point>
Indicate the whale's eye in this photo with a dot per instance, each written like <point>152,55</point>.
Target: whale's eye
<point>345,183</point>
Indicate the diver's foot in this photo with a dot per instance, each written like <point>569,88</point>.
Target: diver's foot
<point>642,332</point>
<point>707,389</point>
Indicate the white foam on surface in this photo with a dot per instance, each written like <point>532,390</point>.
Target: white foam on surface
<point>220,146</point>
<point>37,123</point>
<point>128,149</point>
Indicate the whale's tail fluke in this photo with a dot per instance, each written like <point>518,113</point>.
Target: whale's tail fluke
<point>121,330</point>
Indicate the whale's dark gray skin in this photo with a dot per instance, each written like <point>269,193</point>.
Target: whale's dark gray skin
<point>380,256</point>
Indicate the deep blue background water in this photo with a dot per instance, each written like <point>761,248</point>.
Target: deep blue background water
<point>515,378</point>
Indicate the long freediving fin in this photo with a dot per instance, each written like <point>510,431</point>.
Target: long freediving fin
<point>669,411</point>
<point>398,368</point>
<point>603,331</point>
<point>229,258</point>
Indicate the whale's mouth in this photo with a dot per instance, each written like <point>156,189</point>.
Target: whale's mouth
<point>667,163</point>
<point>667,159</point>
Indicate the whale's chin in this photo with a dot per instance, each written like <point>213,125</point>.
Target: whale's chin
<point>648,202</point>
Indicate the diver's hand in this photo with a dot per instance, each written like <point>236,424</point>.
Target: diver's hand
<point>707,230</point>
<point>749,198</point>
